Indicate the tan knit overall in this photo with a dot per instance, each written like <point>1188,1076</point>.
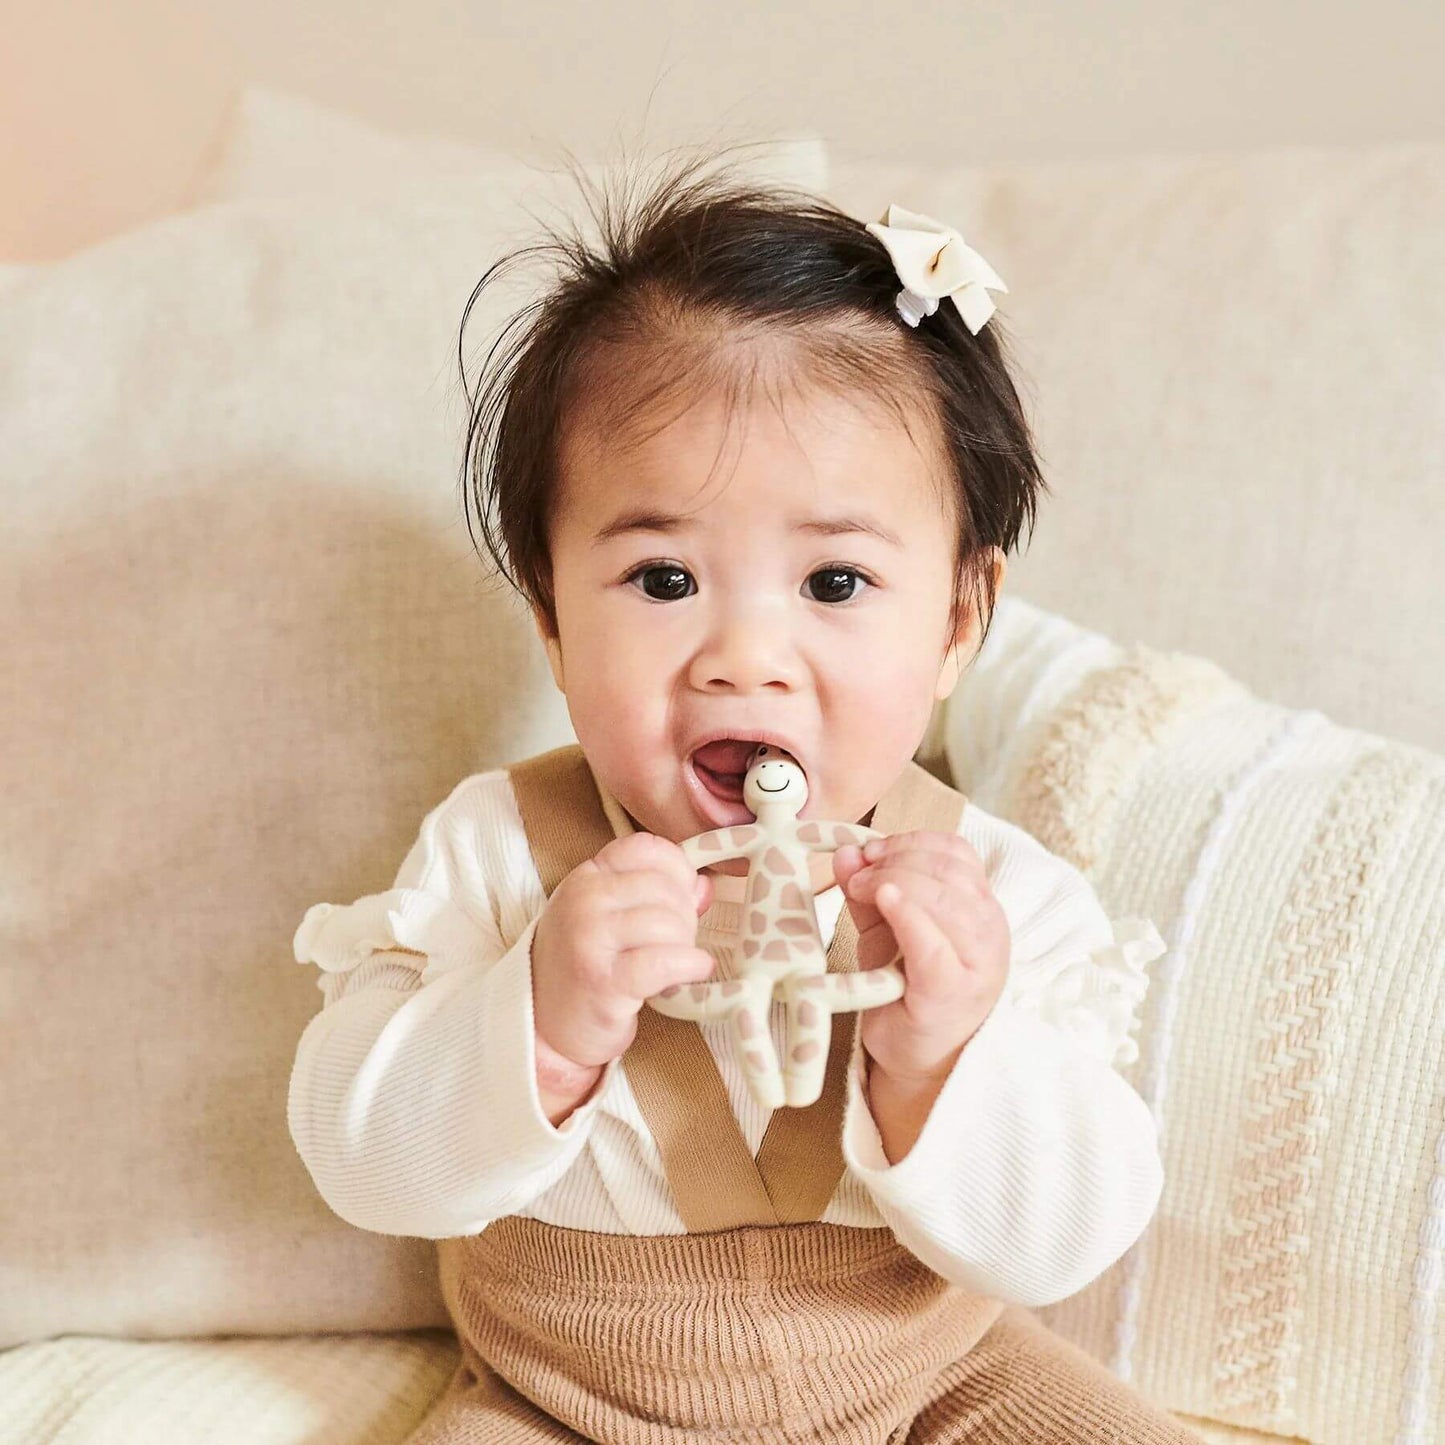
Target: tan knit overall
<point>761,1323</point>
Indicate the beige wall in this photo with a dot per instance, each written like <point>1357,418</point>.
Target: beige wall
<point>106,105</point>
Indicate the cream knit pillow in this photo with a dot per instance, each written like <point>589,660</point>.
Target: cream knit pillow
<point>1292,1046</point>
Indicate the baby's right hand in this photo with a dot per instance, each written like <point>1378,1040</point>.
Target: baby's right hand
<point>617,929</point>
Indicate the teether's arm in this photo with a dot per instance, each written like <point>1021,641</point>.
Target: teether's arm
<point>838,835</point>
<point>718,846</point>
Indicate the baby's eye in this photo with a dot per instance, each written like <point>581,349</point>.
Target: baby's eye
<point>835,582</point>
<point>667,588</point>
<point>666,582</point>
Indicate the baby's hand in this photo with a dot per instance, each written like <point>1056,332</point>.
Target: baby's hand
<point>617,929</point>
<point>927,894</point>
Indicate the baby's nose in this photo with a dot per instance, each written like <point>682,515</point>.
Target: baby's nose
<point>746,655</point>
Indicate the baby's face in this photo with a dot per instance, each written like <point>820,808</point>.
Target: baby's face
<point>757,611</point>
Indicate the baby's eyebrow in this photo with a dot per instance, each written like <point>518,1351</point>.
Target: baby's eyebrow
<point>651,520</point>
<point>640,521</point>
<point>839,526</point>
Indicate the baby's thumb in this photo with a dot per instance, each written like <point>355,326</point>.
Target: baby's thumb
<point>702,886</point>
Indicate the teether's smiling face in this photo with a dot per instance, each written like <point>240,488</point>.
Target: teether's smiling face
<point>774,778</point>
<point>790,571</point>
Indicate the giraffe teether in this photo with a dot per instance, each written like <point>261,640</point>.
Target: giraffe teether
<point>779,950</point>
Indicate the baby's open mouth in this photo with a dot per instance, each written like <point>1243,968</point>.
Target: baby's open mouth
<point>723,766</point>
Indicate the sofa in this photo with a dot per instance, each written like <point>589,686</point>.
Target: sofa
<point>251,643</point>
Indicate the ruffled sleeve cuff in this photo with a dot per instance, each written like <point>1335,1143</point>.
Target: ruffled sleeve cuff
<point>1096,997</point>
<point>338,937</point>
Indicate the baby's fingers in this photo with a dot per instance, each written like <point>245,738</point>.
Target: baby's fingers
<point>930,961</point>
<point>847,860</point>
<point>651,967</point>
<point>855,877</point>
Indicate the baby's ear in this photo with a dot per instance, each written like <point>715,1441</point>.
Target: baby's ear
<point>1000,569</point>
<point>972,624</point>
<point>948,676</point>
<point>965,638</point>
<point>554,649</point>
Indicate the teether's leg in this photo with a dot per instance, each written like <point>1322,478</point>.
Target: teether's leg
<point>811,1000</point>
<point>747,1002</point>
<point>753,1043</point>
<point>867,988</point>
<point>807,1030</point>
<point>705,1002</point>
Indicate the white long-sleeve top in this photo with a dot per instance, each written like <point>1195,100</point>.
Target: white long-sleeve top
<point>413,1099</point>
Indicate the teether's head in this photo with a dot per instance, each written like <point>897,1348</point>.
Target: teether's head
<point>774,781</point>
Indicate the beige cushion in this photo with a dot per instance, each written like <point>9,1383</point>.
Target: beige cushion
<point>362,1389</point>
<point>1215,1432</point>
<point>1237,366</point>
<point>250,647</point>
<point>1292,1046</point>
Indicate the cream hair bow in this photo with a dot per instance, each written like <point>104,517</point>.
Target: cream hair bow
<point>932,261</point>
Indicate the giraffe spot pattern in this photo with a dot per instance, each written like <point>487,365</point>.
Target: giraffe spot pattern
<point>747,1024</point>
<point>758,921</point>
<point>750,947</point>
<point>755,1061</point>
<point>808,1013</point>
<point>762,885</point>
<point>778,949</point>
<point>796,926</point>
<point>792,898</point>
<point>709,843</point>
<point>732,986</point>
<point>778,863</point>
<point>805,1052</point>
<point>810,833</point>
<point>746,832</point>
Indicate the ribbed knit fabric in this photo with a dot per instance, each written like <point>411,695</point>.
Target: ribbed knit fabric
<point>777,1335</point>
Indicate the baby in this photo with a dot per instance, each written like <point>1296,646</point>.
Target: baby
<point>755,468</point>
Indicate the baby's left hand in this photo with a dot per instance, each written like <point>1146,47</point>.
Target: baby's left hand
<point>927,894</point>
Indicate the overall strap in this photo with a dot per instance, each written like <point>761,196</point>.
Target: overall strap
<point>672,1073</point>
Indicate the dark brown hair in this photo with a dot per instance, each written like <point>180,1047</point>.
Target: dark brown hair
<point>708,257</point>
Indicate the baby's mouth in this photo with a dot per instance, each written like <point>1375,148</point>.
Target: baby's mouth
<point>722,765</point>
